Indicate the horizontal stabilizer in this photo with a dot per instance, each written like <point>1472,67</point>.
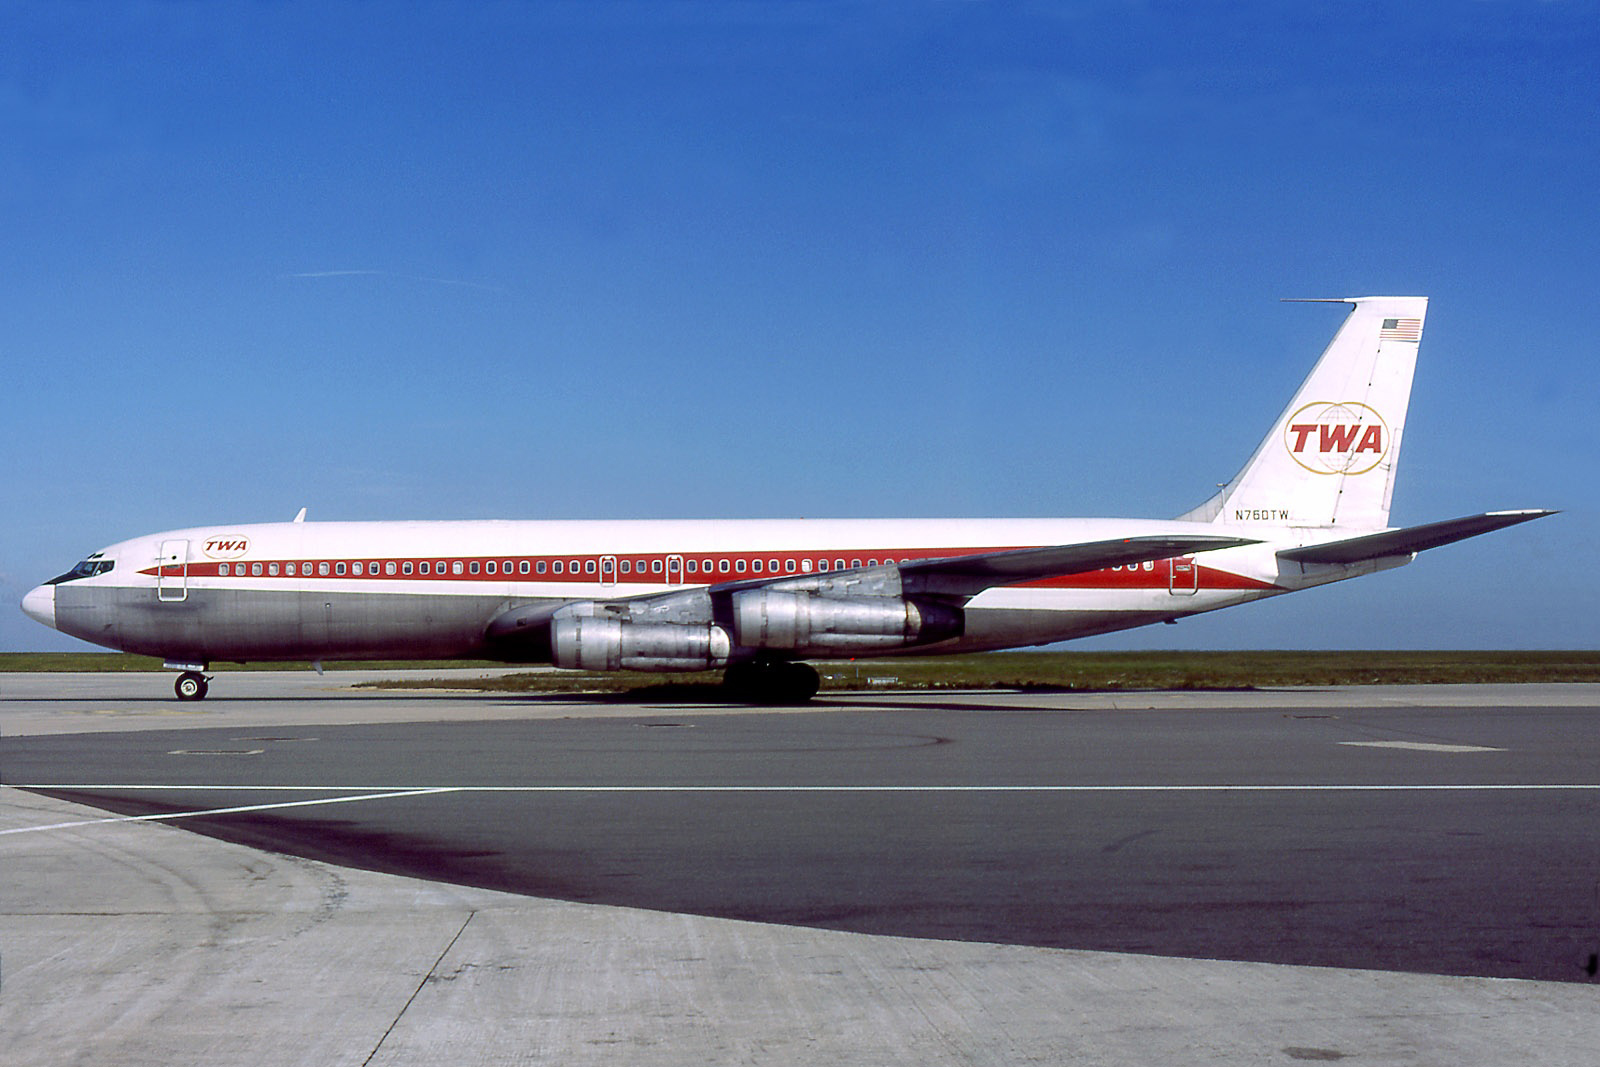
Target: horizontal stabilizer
<point>1409,540</point>
<point>975,573</point>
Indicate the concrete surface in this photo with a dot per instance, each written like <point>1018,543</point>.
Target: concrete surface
<point>133,943</point>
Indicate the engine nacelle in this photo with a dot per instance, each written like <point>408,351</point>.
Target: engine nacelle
<point>599,643</point>
<point>806,623</point>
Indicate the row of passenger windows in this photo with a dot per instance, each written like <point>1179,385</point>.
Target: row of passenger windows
<point>606,566</point>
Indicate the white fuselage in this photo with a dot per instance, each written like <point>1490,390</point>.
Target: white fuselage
<point>430,589</point>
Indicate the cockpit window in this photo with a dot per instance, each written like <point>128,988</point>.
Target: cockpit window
<point>87,569</point>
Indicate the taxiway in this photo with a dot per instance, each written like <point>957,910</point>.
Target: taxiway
<point>973,877</point>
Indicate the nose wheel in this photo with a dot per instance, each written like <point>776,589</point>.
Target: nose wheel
<point>191,685</point>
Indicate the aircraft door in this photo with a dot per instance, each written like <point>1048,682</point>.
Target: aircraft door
<point>608,570</point>
<point>172,571</point>
<point>1183,577</point>
<point>674,570</point>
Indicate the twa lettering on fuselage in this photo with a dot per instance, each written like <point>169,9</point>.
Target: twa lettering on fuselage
<point>1337,438</point>
<point>226,547</point>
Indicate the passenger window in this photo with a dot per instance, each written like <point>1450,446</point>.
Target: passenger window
<point>388,568</point>
<point>540,567</point>
<point>755,565</point>
<point>339,568</point>
<point>222,569</point>
<point>772,565</point>
<point>288,568</point>
<point>490,567</point>
<point>438,568</point>
<point>423,567</point>
<point>559,566</point>
<point>272,569</point>
<point>722,566</point>
<point>838,564</point>
<point>455,566</point>
<point>522,568</point>
<point>655,566</point>
<point>355,568</point>
<point>788,565</point>
<point>588,566</point>
<point>739,565</point>
<point>705,565</point>
<point>805,565</point>
<point>855,563</point>
<point>472,568</point>
<point>405,568</point>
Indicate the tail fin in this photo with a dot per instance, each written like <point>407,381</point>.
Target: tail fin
<point>1330,458</point>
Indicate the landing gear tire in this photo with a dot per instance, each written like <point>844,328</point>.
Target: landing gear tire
<point>771,682</point>
<point>191,685</point>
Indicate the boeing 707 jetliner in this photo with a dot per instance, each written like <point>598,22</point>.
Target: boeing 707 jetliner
<point>758,597</point>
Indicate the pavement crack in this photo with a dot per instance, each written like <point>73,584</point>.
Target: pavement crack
<point>426,978</point>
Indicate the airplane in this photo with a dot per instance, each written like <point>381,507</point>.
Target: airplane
<point>757,598</point>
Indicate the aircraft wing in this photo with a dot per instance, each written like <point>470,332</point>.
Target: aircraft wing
<point>961,577</point>
<point>1411,539</point>
<point>969,575</point>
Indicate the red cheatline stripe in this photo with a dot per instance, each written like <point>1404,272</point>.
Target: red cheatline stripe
<point>659,569</point>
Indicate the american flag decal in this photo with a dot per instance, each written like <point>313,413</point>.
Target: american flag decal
<point>1401,330</point>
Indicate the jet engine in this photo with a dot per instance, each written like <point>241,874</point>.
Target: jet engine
<point>805,623</point>
<point>601,643</point>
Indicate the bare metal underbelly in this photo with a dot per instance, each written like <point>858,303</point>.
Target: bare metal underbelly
<point>265,625</point>
<point>244,625</point>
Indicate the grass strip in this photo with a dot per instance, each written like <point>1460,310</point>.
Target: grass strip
<point>1103,671</point>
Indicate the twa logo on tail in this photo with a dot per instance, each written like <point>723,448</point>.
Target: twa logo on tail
<point>1342,438</point>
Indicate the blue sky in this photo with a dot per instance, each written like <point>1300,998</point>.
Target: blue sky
<point>815,259</point>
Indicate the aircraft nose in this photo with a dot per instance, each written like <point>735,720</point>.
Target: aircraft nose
<point>40,605</point>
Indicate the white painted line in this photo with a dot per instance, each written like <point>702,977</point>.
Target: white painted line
<point>167,816</point>
<point>394,791</point>
<point>1421,746</point>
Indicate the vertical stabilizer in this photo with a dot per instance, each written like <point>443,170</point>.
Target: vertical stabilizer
<point>1329,460</point>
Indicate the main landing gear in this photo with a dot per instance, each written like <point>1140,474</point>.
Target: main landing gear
<point>191,685</point>
<point>765,681</point>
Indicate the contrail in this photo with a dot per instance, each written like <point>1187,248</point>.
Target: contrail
<point>392,274</point>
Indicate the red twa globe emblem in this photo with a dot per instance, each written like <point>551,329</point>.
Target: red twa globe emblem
<point>1337,438</point>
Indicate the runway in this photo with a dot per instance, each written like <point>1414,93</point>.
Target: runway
<point>1424,830</point>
